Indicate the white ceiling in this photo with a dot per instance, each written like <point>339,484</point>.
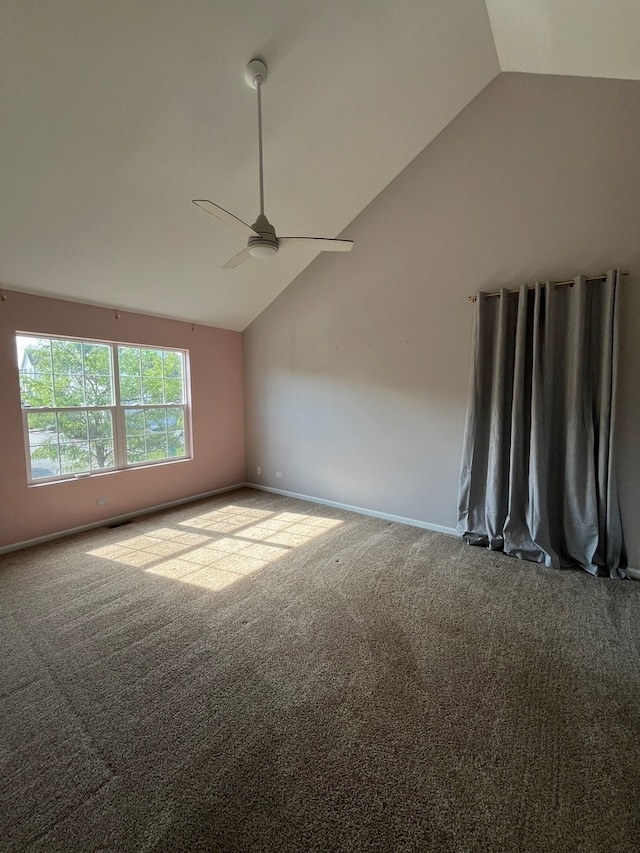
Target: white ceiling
<point>116,114</point>
<point>588,38</point>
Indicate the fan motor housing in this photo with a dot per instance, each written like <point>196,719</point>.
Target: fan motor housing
<point>266,244</point>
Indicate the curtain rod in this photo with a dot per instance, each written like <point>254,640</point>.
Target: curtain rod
<point>568,283</point>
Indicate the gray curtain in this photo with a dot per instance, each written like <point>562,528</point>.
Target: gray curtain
<point>538,474</point>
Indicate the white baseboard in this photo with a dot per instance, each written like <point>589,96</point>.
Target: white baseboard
<point>413,522</point>
<point>116,519</point>
<point>632,573</point>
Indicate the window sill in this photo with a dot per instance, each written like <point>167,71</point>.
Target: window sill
<point>143,466</point>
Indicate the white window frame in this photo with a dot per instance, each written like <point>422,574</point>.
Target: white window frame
<point>117,410</point>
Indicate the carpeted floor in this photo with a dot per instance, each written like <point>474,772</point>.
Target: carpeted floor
<point>255,673</point>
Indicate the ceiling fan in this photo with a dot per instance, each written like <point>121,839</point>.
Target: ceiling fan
<point>263,241</point>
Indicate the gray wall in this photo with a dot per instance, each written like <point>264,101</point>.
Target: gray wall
<point>356,376</point>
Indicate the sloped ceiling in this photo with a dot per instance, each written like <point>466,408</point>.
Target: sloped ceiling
<point>589,38</point>
<point>115,115</point>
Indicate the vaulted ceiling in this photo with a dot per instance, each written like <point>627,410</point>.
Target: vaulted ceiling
<point>115,115</point>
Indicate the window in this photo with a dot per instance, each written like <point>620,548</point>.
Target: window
<point>93,406</point>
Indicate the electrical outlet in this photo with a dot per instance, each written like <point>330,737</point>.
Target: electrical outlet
<point>279,474</point>
<point>258,470</point>
<point>102,501</point>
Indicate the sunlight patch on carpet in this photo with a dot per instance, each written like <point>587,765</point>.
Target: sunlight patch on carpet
<point>230,543</point>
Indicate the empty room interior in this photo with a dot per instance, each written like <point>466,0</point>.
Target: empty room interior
<point>327,541</point>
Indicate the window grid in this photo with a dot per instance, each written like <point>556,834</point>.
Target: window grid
<point>85,452</point>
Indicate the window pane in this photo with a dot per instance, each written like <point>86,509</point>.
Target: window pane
<point>130,375</point>
<point>134,427</point>
<point>175,419</point>
<point>34,354</point>
<point>97,375</point>
<point>134,421</point>
<point>36,390</point>
<point>66,356</point>
<point>73,435</point>
<point>173,391</point>
<point>136,449</point>
<point>152,390</point>
<point>152,376</point>
<point>151,360</point>
<point>72,426</point>
<point>68,390</point>
<point>43,468</point>
<point>157,446</point>
<point>176,443</point>
<point>97,359</point>
<point>175,432</point>
<point>100,425</point>
<point>41,422</point>
<point>129,361</point>
<point>34,362</point>
<point>59,444</point>
<point>63,373</point>
<point>101,454</point>
<point>154,434</point>
<point>74,457</point>
<point>156,420</point>
<point>130,390</point>
<point>97,390</point>
<point>43,445</point>
<point>173,365</point>
<point>101,448</point>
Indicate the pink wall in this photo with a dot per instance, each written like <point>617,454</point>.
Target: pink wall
<point>28,512</point>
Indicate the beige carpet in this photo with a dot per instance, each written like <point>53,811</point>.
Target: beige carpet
<point>255,673</point>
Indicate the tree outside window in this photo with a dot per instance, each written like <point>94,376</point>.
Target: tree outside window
<point>74,412</point>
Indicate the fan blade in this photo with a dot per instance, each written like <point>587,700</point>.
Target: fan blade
<point>224,216</point>
<point>325,244</point>
<point>238,259</point>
